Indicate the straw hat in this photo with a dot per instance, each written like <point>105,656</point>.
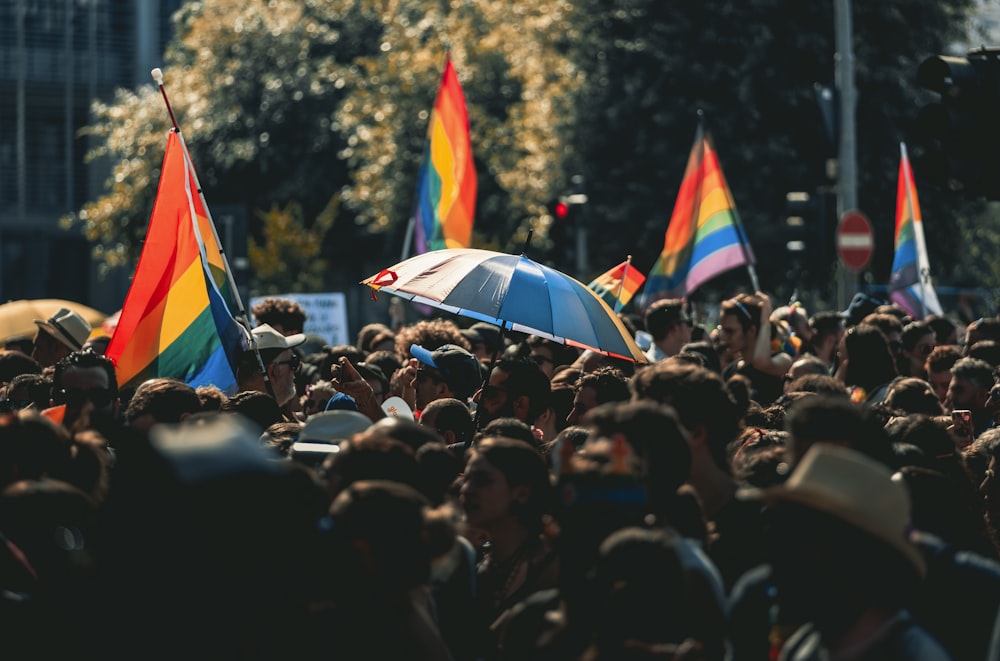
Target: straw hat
<point>853,488</point>
<point>68,327</point>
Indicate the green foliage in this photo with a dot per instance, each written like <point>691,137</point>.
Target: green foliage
<point>288,257</point>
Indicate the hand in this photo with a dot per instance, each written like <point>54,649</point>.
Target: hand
<point>346,379</point>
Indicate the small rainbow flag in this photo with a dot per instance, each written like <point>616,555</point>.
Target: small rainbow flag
<point>619,285</point>
<point>176,321</point>
<point>704,237</point>
<point>910,283</point>
<point>446,185</point>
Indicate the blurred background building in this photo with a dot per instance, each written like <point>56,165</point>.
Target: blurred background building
<point>56,57</point>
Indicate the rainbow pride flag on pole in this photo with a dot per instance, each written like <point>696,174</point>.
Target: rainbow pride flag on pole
<point>910,283</point>
<point>704,237</point>
<point>176,321</point>
<point>446,186</point>
<point>618,285</point>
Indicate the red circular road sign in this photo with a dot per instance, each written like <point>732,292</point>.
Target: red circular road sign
<point>855,240</point>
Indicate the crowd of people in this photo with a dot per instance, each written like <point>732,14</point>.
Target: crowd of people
<point>773,485</point>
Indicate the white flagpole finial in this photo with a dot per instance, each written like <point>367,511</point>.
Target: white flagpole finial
<point>157,75</point>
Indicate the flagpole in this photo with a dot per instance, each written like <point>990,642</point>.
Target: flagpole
<point>241,313</point>
<point>918,235</point>
<point>621,285</point>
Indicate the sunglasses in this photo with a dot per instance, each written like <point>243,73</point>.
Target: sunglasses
<point>99,397</point>
<point>293,363</point>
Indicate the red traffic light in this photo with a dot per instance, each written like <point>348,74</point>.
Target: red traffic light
<point>562,210</point>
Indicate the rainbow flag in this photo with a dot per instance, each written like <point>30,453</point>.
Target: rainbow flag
<point>704,237</point>
<point>619,285</point>
<point>446,185</point>
<point>176,321</point>
<point>910,283</point>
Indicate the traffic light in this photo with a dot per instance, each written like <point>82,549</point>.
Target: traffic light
<point>960,134</point>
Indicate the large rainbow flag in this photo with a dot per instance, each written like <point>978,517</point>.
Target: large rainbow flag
<point>176,321</point>
<point>618,285</point>
<point>704,237</point>
<point>910,283</point>
<point>446,186</point>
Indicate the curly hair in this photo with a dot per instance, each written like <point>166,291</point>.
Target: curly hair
<point>282,312</point>
<point>430,334</point>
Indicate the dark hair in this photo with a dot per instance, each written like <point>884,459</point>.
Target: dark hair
<point>608,383</point>
<point>86,360</point>
<point>662,315</point>
<point>526,378</point>
<point>870,361</point>
<point>699,397</point>
<point>745,308</point>
<point>913,331</point>
<point>521,464</point>
<point>943,357</point>
<point>285,312</point>
<point>14,363</point>
<point>452,415</point>
<point>163,398</point>
<point>260,408</point>
<point>822,418</point>
<point>913,395</point>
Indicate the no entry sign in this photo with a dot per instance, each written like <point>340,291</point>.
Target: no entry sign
<point>855,240</point>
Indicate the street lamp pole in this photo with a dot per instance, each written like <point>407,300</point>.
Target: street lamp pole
<point>847,176</point>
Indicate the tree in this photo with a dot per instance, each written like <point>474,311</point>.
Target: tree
<point>751,67</point>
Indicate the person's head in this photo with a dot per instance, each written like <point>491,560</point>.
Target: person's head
<point>839,537</point>
<point>985,328</point>
<point>870,362</point>
<point>549,354</point>
<point>827,328</point>
<point>329,359</point>
<point>834,420</point>
<point>918,341</point>
<point>595,388</point>
<point>451,419</point>
<point>484,339</point>
<point>860,307</point>
<point>15,363</point>
<point>387,361</point>
<point>971,380</point>
<point>317,396</point>
<point>803,366</point>
<point>255,406</point>
<point>161,400</point>
<point>739,322</point>
<point>86,383</point>
<point>282,314</point>
<point>370,332</point>
<point>429,333</point>
<point>988,350</point>
<point>938,367</point>
<point>708,353</point>
<point>376,378</point>
<point>212,398</point>
<point>703,403</point>
<point>655,438</point>
<point>447,371</point>
<point>913,395</point>
<point>945,330</point>
<point>517,388</point>
<point>280,363</point>
<point>891,328</point>
<point>505,480</point>
<point>27,390</point>
<point>60,334</point>
<point>669,324</point>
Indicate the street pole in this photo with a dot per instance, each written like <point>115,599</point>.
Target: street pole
<point>847,176</point>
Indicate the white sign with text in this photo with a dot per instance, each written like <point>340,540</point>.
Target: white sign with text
<point>326,314</point>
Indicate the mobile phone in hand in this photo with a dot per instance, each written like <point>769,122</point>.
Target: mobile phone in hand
<point>961,420</point>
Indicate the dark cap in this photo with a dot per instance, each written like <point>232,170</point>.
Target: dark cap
<point>861,306</point>
<point>460,369</point>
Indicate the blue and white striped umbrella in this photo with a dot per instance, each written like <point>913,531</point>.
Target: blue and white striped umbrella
<point>513,292</point>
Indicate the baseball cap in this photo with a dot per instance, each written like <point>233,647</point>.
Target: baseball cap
<point>460,369</point>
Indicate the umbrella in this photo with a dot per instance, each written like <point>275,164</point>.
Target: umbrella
<point>17,318</point>
<point>512,292</point>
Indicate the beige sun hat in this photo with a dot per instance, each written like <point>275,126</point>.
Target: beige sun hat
<point>268,338</point>
<point>853,488</point>
<point>68,327</point>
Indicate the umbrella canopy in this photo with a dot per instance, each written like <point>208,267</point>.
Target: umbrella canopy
<point>17,318</point>
<point>513,292</point>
